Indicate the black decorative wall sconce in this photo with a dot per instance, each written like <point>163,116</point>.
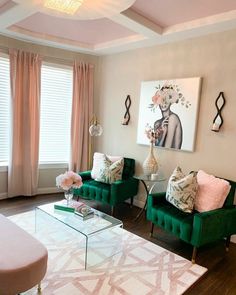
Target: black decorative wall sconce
<point>127,114</point>
<point>218,120</point>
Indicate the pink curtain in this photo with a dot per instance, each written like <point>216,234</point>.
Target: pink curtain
<point>82,110</point>
<point>25,71</point>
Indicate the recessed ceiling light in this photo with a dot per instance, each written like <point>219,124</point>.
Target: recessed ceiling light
<point>65,6</point>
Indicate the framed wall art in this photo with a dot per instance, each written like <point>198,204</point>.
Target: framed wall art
<point>168,111</point>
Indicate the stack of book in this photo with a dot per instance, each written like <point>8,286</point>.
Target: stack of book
<point>72,206</point>
<point>84,212</point>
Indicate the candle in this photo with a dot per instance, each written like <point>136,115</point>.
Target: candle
<point>215,127</point>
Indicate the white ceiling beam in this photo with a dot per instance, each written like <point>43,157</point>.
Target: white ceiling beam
<point>41,39</point>
<point>14,14</point>
<point>119,42</point>
<point>137,23</point>
<point>222,19</point>
<point>192,29</point>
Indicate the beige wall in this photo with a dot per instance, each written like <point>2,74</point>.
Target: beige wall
<point>46,176</point>
<point>212,58</point>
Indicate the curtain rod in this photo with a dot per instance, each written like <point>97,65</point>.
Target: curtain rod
<point>3,49</point>
<point>68,62</point>
<point>46,58</point>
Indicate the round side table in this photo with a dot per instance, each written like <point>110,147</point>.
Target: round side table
<point>149,185</point>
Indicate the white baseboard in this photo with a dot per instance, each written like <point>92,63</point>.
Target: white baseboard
<point>138,203</point>
<point>3,196</point>
<point>40,191</point>
<point>48,190</point>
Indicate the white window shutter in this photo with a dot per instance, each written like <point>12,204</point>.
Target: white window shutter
<point>55,115</point>
<point>4,108</point>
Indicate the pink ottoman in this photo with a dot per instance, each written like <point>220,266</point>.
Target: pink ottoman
<point>23,259</point>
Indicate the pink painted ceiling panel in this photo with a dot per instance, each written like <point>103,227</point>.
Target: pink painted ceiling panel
<point>91,32</point>
<point>5,5</point>
<point>170,12</point>
<point>2,2</point>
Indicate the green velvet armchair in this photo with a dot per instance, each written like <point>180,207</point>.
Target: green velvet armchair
<point>196,228</point>
<point>111,194</point>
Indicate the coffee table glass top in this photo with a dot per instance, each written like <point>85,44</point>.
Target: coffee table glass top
<point>99,222</point>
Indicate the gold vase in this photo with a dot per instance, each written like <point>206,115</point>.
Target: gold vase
<point>150,165</point>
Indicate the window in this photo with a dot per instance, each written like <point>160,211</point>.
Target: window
<point>4,108</point>
<point>55,114</point>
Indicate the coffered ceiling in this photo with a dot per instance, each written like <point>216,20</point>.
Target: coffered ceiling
<point>145,23</point>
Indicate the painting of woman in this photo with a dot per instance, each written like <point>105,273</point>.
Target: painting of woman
<point>168,113</point>
<point>168,128</point>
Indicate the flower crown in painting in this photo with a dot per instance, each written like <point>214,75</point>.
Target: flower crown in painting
<point>168,94</point>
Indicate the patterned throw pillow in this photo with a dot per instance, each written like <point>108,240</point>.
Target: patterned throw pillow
<point>98,159</point>
<point>110,172</point>
<point>181,190</point>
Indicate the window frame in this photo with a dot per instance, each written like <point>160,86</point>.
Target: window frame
<point>44,165</point>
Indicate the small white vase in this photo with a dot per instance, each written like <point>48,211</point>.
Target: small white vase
<point>150,165</point>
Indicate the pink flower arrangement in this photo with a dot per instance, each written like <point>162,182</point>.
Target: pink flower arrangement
<point>151,134</point>
<point>69,180</point>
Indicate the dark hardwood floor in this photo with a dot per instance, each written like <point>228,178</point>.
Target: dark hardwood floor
<point>221,265</point>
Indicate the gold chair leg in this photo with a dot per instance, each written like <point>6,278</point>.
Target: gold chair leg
<point>39,288</point>
<point>152,228</point>
<point>112,210</point>
<point>131,202</point>
<point>227,243</point>
<point>194,254</point>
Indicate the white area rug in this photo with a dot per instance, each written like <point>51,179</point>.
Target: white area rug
<point>140,268</point>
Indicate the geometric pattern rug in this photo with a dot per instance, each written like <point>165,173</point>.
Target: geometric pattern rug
<point>141,268</point>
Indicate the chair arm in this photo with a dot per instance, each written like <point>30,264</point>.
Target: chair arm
<point>213,225</point>
<point>123,189</point>
<point>85,175</point>
<point>154,199</point>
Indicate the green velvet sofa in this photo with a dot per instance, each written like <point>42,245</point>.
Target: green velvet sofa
<point>194,228</point>
<point>111,194</point>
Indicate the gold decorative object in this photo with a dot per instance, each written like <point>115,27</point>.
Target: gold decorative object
<point>95,128</point>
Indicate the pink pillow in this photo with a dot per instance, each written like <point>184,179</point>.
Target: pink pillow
<point>212,192</point>
<point>98,161</point>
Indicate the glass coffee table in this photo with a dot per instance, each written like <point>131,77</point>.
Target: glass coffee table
<point>99,225</point>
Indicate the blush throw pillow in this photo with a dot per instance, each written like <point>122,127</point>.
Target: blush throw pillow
<point>212,192</point>
<point>110,172</point>
<point>181,190</point>
<point>98,159</point>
